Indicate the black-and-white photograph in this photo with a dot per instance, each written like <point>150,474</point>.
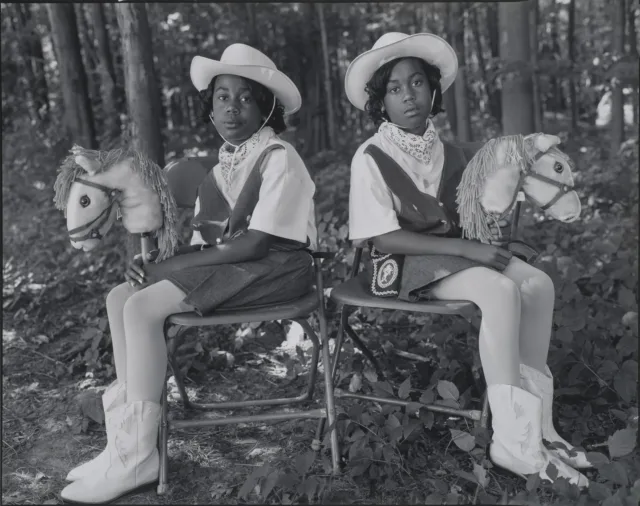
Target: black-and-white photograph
<point>320,253</point>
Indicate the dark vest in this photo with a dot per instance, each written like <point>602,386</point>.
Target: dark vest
<point>420,212</point>
<point>217,222</point>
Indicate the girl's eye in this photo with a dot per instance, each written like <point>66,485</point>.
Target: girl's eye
<point>558,167</point>
<point>393,90</point>
<point>85,201</point>
<point>222,97</point>
<point>417,82</point>
<point>246,100</point>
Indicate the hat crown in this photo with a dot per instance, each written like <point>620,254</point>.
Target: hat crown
<point>389,38</point>
<point>241,54</point>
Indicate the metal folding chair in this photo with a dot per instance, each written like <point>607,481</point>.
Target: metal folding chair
<point>354,293</point>
<point>184,177</point>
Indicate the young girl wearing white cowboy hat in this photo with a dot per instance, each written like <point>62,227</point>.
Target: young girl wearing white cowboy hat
<point>254,223</point>
<point>400,82</point>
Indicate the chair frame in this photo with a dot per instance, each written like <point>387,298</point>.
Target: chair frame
<point>248,315</point>
<point>480,417</point>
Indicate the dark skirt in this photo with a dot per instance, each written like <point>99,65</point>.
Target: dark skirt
<point>421,272</point>
<point>279,277</point>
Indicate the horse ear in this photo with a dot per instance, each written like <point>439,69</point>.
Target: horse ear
<point>541,142</point>
<point>91,166</point>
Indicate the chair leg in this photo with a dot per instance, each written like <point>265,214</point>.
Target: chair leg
<point>367,353</point>
<point>163,474</point>
<point>172,344</point>
<point>314,357</point>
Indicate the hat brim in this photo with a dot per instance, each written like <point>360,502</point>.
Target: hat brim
<point>204,69</point>
<point>427,47</point>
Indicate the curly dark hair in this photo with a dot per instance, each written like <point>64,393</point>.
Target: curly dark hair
<point>262,96</point>
<point>376,88</point>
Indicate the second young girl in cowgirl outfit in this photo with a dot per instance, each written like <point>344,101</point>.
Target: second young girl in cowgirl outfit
<point>400,82</point>
<point>254,221</point>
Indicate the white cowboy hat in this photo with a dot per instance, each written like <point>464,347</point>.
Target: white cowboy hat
<point>245,61</point>
<point>392,45</point>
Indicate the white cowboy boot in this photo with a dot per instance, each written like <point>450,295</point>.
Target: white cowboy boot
<point>113,397</point>
<point>134,457</point>
<point>541,385</point>
<point>517,436</point>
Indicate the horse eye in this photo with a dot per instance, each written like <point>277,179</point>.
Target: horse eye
<point>558,167</point>
<point>85,201</point>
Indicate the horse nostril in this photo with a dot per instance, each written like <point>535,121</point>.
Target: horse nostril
<point>558,167</point>
<point>85,201</point>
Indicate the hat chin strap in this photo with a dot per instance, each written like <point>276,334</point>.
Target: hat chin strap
<point>233,158</point>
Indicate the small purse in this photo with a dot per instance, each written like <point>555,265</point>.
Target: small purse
<point>386,273</point>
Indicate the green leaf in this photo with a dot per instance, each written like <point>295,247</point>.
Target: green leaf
<point>427,397</point>
<point>597,458</point>
<point>625,386</point>
<point>427,418</point>
<point>481,475</point>
<point>614,472</point>
<point>383,387</point>
<point>356,383</point>
<point>598,491</point>
<point>626,299</point>
<point>304,462</point>
<point>404,389</point>
<point>269,483</point>
<point>371,376</point>
<point>448,390</point>
<point>565,335</point>
<point>622,442</point>
<point>91,406</point>
<point>552,471</point>
<point>533,481</point>
<point>463,440</point>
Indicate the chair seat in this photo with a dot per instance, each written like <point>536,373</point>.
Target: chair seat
<point>298,308</point>
<point>355,293</point>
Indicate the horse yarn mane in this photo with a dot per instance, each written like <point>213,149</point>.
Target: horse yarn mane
<point>152,176</point>
<point>474,220</point>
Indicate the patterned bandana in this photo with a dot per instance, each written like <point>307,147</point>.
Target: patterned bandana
<point>422,148</point>
<point>230,156</point>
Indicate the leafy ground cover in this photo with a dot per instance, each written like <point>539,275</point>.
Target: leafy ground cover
<point>56,356</point>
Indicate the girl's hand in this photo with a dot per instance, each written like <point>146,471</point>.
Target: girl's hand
<point>487,254</point>
<point>135,273</point>
<point>504,236</point>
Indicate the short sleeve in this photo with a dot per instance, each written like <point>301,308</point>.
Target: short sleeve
<point>286,198</point>
<point>371,210</point>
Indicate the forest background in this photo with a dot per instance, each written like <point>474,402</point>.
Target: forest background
<point>97,74</point>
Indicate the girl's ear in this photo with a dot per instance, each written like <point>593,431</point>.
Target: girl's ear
<point>91,166</point>
<point>499,189</point>
<point>541,142</point>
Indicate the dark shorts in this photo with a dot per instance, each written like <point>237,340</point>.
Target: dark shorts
<point>279,277</point>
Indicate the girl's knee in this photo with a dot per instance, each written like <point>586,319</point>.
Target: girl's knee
<point>119,295</point>
<point>139,306</point>
<point>503,295</point>
<point>539,285</point>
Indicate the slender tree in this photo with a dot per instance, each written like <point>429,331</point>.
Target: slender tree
<point>517,90</point>
<point>538,120</point>
<point>456,29</point>
<point>331,125</point>
<point>141,85</point>
<point>573,95</point>
<point>617,98</point>
<point>73,78</point>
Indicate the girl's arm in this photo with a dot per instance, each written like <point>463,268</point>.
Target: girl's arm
<point>405,242</point>
<point>250,246</point>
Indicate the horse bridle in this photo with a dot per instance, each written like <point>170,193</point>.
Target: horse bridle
<point>95,224</point>
<point>563,188</point>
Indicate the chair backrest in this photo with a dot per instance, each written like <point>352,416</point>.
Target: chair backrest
<point>185,175</point>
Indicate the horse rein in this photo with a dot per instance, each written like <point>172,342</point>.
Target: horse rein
<point>95,224</point>
<point>563,188</point>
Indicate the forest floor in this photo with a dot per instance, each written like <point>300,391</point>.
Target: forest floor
<point>56,361</point>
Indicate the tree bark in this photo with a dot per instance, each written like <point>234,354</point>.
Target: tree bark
<point>495,101</point>
<point>331,125</point>
<point>573,95</point>
<point>448,98</point>
<point>517,92</point>
<point>73,78</point>
<point>141,85</point>
<point>617,98</point>
<point>456,29</point>
<point>538,116</point>
<point>633,51</point>
<point>111,101</point>
<point>252,24</point>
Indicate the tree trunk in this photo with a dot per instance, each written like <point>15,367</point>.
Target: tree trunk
<point>34,63</point>
<point>111,101</point>
<point>517,93</point>
<point>633,51</point>
<point>617,98</point>
<point>73,78</point>
<point>538,116</point>
<point>456,34</point>
<point>495,101</point>
<point>482,66</point>
<point>141,85</point>
<point>573,95</point>
<point>331,125</point>
<point>252,25</point>
<point>448,98</point>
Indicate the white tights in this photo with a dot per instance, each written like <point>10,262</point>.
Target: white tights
<point>136,320</point>
<point>517,313</point>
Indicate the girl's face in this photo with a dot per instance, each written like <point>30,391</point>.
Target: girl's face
<point>235,112</point>
<point>408,98</point>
